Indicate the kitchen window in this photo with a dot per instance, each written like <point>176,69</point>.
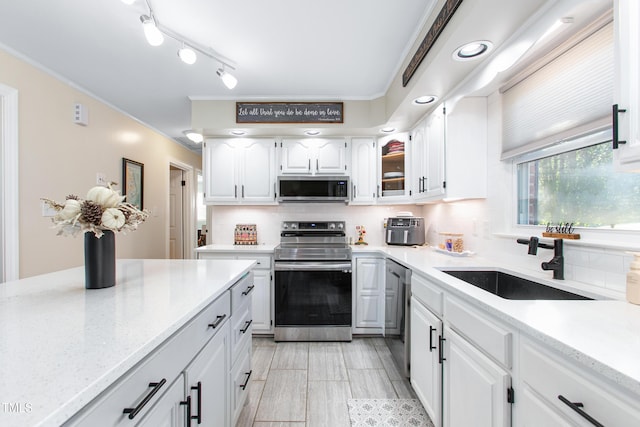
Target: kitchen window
<point>575,181</point>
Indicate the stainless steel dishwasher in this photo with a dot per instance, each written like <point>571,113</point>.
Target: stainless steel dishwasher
<point>396,322</point>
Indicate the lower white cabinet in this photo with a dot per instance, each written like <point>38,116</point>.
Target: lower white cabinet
<point>474,387</point>
<point>170,410</point>
<point>555,392</point>
<point>369,294</point>
<point>426,367</point>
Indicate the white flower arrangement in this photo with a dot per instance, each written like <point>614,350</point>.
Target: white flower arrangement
<point>103,209</point>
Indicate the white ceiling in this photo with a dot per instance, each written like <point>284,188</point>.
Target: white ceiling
<point>281,49</point>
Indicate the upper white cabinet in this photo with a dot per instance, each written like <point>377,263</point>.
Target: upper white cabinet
<point>239,171</point>
<point>394,177</point>
<point>319,156</point>
<point>363,171</point>
<point>627,89</point>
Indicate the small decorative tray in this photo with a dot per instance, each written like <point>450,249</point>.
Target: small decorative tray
<point>458,254</point>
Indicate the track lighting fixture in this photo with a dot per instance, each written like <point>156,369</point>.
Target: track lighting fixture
<point>187,54</point>
<point>229,80</point>
<point>151,31</point>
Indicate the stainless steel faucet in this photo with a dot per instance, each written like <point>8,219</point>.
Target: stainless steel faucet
<point>556,264</point>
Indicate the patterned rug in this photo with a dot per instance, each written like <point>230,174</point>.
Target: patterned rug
<point>387,413</point>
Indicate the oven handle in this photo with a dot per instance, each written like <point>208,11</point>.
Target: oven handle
<point>312,266</point>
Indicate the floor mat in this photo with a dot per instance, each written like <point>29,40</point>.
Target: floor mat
<point>387,413</point>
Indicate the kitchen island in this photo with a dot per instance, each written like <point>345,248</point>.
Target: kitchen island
<point>61,345</point>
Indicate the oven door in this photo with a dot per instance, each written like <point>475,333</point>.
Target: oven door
<point>312,293</point>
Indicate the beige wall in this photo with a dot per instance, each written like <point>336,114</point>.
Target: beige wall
<point>58,157</point>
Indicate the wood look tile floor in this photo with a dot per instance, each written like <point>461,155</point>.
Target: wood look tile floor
<point>308,384</point>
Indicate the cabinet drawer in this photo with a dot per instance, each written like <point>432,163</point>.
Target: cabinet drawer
<point>241,327</point>
<point>240,381</point>
<point>161,367</point>
<point>493,339</point>
<point>263,262</point>
<point>551,376</point>
<point>429,294</point>
<point>242,292</point>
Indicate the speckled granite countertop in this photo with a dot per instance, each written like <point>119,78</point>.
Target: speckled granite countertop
<point>61,345</point>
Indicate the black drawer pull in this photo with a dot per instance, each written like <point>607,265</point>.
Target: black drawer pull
<point>134,411</point>
<point>441,352</point>
<point>249,289</point>
<point>188,413</point>
<point>614,126</point>
<point>248,374</point>
<point>199,389</point>
<point>219,320</point>
<point>246,326</point>
<point>431,346</point>
<point>576,407</point>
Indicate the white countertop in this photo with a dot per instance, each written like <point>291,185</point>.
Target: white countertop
<point>61,345</point>
<point>239,249</point>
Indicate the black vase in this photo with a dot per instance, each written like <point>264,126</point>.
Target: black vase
<point>99,260</point>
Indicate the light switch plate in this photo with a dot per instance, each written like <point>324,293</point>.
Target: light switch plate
<point>101,179</point>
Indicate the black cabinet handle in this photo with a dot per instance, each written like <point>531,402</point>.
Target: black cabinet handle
<point>246,326</point>
<point>248,374</point>
<point>249,289</point>
<point>614,119</point>
<point>235,192</point>
<point>243,191</point>
<point>134,411</point>
<point>576,407</point>
<point>219,320</point>
<point>188,412</point>
<point>441,357</point>
<point>199,389</point>
<point>431,346</point>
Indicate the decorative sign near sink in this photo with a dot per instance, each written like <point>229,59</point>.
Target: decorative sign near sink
<point>289,112</point>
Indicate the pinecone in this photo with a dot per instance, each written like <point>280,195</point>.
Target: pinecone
<point>72,197</point>
<point>91,212</point>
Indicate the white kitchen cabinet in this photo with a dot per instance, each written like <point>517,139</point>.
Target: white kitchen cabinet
<point>419,161</point>
<point>548,378</point>
<point>627,83</point>
<point>363,171</point>
<point>434,180</point>
<point>239,171</point>
<point>369,294</point>
<point>207,379</point>
<point>474,387</point>
<point>318,156</point>
<point>426,368</point>
<point>394,167</point>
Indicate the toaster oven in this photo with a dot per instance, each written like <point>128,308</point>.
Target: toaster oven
<point>406,231</point>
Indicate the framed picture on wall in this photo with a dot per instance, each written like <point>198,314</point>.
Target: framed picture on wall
<point>133,182</point>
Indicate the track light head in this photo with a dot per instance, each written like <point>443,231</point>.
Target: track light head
<point>187,55</point>
<point>151,31</point>
<point>229,80</point>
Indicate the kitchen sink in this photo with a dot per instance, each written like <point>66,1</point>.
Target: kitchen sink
<point>509,286</point>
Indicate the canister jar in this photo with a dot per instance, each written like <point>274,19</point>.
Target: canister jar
<point>452,242</point>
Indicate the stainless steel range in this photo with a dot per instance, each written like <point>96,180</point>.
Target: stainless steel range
<point>312,282</point>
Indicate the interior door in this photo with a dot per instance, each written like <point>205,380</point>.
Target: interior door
<point>176,201</point>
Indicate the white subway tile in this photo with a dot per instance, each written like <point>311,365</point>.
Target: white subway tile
<point>589,276</point>
<point>607,262</point>
<point>616,281</point>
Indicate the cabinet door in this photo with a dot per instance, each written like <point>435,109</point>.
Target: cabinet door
<point>475,388</point>
<point>419,161</point>
<point>433,185</point>
<point>258,176</point>
<point>295,157</point>
<point>534,411</point>
<point>394,170</point>
<point>426,369</point>
<point>220,171</point>
<point>168,410</point>
<point>331,157</point>
<point>627,90</point>
<point>261,301</point>
<point>363,171</point>
<point>369,293</point>
<point>210,400</point>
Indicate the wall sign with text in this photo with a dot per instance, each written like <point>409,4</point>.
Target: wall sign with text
<point>289,112</point>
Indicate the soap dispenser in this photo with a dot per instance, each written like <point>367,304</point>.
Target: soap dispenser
<point>633,280</point>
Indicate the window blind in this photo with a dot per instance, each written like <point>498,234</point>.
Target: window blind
<point>569,95</point>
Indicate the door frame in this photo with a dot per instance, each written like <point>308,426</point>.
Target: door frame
<point>9,254</point>
<point>188,209</point>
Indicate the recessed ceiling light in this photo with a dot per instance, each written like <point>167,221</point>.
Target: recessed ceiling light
<point>312,132</point>
<point>472,50</point>
<point>193,136</point>
<point>426,99</point>
<point>237,132</point>
<point>388,129</point>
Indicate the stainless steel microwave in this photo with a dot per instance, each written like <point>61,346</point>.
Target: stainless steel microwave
<point>315,189</point>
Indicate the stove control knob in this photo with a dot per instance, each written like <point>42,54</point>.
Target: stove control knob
<point>294,225</point>
<point>340,226</point>
<point>332,226</point>
<point>285,225</point>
